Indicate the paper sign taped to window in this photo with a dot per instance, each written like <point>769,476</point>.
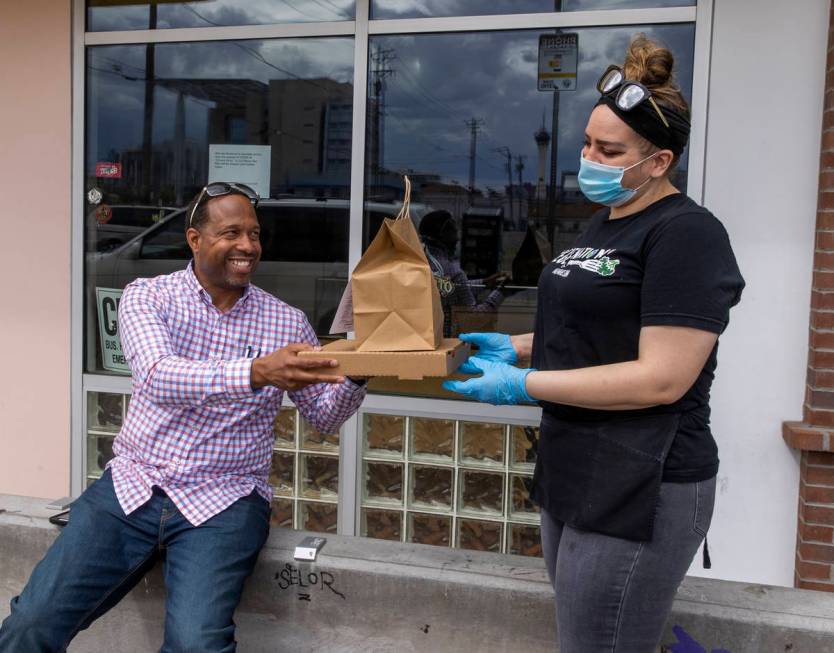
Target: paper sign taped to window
<point>244,164</point>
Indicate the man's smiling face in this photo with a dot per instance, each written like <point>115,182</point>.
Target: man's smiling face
<point>227,246</point>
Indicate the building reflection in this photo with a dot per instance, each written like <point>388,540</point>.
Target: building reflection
<point>306,122</point>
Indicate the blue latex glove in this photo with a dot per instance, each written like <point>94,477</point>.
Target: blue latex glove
<point>500,384</point>
<point>492,346</point>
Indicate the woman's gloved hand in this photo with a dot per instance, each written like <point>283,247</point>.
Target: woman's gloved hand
<point>492,346</point>
<point>500,383</point>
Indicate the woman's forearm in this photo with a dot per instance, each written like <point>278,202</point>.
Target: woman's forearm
<point>669,361</point>
<point>621,386</point>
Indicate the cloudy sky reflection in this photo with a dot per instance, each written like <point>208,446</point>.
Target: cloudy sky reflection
<point>424,8</point>
<point>217,12</point>
<point>441,81</point>
<point>436,83</point>
<point>101,17</point>
<point>116,81</point>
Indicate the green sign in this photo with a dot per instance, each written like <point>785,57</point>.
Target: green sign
<point>107,303</point>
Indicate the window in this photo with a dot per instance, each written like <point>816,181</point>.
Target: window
<point>421,8</point>
<point>163,119</point>
<point>484,144</point>
<point>109,15</point>
<point>459,112</point>
<point>113,226</point>
<point>305,231</point>
<point>167,241</point>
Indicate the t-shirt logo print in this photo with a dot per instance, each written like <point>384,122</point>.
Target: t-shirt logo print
<point>602,266</point>
<point>588,258</point>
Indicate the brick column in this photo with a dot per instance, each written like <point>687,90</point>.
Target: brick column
<point>814,436</point>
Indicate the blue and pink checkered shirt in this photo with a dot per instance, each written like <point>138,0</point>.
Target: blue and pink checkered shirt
<point>194,427</point>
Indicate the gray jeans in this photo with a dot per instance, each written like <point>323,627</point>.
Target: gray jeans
<point>614,595</point>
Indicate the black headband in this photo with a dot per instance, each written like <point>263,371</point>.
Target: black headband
<point>644,120</point>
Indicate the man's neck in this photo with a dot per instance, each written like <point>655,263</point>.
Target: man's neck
<point>222,298</point>
<point>225,300</point>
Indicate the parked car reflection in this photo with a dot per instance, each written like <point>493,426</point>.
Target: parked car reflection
<point>304,260</point>
<point>109,227</point>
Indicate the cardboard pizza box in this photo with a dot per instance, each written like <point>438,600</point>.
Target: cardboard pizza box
<point>410,365</point>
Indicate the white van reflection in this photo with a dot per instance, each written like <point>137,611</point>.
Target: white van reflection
<point>304,259</point>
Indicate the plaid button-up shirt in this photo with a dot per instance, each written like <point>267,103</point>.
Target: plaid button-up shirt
<point>194,426</point>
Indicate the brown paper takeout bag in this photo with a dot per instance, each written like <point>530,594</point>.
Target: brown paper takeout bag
<point>396,304</point>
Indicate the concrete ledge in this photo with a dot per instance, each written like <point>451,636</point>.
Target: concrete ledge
<point>368,595</point>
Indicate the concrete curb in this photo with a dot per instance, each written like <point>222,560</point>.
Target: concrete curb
<point>370,595</point>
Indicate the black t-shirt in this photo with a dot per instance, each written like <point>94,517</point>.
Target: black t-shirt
<point>669,264</point>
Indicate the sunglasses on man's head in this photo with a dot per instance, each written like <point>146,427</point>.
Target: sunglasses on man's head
<point>219,188</point>
<point>630,94</point>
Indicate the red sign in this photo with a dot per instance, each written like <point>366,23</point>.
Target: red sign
<point>109,170</point>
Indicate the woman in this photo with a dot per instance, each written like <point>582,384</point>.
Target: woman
<point>623,356</point>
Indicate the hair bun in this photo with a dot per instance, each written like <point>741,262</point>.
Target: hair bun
<point>648,62</point>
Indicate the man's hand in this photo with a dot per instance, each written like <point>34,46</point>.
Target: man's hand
<point>286,370</point>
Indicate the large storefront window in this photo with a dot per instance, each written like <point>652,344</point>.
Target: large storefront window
<point>482,143</point>
<point>112,15</point>
<point>425,8</point>
<point>493,161</point>
<point>164,119</point>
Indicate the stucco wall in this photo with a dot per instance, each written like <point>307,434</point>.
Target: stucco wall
<point>762,164</point>
<point>764,119</point>
<point>35,127</point>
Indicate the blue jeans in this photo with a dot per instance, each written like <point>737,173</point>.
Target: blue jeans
<point>102,553</point>
<point>615,595</point>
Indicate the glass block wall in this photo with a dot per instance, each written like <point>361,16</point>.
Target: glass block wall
<point>105,413</point>
<point>447,482</point>
<point>305,463</point>
<point>305,475</point>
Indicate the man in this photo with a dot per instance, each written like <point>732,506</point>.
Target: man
<point>211,356</point>
<point>440,239</point>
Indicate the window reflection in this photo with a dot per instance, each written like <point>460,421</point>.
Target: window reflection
<point>425,8</point>
<point>162,119</point>
<point>478,146</point>
<point>113,15</point>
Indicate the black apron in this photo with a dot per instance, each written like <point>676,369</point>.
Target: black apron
<point>604,476</point>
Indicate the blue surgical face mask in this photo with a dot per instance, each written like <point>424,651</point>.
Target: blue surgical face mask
<point>602,184</point>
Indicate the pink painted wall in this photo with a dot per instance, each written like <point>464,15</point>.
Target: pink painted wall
<point>35,138</point>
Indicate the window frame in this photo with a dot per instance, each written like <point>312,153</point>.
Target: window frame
<point>361,29</point>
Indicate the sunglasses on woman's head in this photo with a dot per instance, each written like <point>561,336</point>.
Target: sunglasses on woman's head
<point>629,95</point>
<point>219,188</point>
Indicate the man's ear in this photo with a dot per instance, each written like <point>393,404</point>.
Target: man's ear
<point>192,237</point>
